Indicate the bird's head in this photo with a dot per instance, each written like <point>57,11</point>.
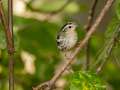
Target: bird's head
<point>70,26</point>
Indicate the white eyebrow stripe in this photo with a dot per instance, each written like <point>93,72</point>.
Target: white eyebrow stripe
<point>65,28</point>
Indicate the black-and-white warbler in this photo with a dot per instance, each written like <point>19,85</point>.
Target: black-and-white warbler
<point>67,37</point>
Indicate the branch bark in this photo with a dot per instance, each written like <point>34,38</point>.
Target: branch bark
<point>87,27</point>
<point>8,27</point>
<point>51,83</point>
<point>11,45</point>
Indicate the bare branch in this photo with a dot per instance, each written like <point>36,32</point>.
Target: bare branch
<point>87,27</point>
<point>8,31</point>
<point>81,45</point>
<point>11,45</point>
<point>2,16</point>
<point>8,27</point>
<point>91,15</point>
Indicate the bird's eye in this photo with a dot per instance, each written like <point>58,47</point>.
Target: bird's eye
<point>70,27</point>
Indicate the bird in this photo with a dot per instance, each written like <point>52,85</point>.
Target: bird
<point>67,37</point>
<point>66,40</point>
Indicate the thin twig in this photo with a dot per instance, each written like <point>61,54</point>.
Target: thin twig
<point>101,66</point>
<point>11,72</point>
<point>91,15</point>
<point>2,16</point>
<point>8,27</point>
<point>116,61</point>
<point>109,45</point>
<point>81,45</point>
<point>87,27</point>
<point>11,48</point>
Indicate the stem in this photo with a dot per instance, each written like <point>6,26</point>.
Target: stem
<point>11,72</point>
<point>109,46</point>
<point>11,45</point>
<point>8,27</point>
<point>88,26</point>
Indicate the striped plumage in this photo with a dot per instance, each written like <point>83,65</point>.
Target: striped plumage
<point>67,37</point>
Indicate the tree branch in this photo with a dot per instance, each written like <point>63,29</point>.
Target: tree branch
<point>51,83</point>
<point>8,27</point>
<point>87,27</point>
<point>11,45</point>
<point>91,15</point>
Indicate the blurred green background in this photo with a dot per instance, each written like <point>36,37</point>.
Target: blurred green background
<point>36,23</point>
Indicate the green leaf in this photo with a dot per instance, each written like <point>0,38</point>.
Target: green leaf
<point>117,8</point>
<point>2,40</point>
<point>112,26</point>
<point>83,80</point>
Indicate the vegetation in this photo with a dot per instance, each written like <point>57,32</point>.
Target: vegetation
<point>96,64</point>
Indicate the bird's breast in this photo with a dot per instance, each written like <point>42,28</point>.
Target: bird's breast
<point>71,39</point>
<point>67,40</point>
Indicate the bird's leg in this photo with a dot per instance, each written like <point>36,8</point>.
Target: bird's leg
<point>67,55</point>
<point>77,45</point>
